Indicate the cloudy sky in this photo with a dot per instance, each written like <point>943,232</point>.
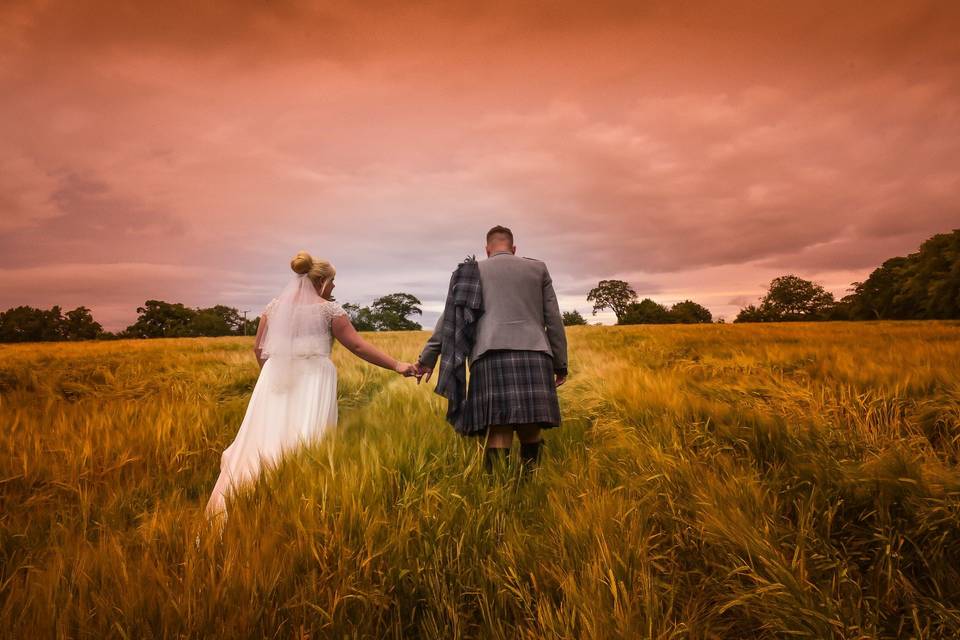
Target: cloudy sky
<point>185,151</point>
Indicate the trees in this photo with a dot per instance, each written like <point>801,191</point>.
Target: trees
<point>793,298</point>
<point>790,298</point>
<point>619,296</point>
<point>925,284</point>
<point>28,324</point>
<point>219,320</point>
<point>933,280</point>
<point>752,313</point>
<point>615,295</point>
<point>250,327</point>
<point>206,322</point>
<point>873,298</point>
<point>159,319</point>
<point>646,312</point>
<point>921,285</point>
<point>156,319</point>
<point>79,324</point>
<point>387,313</point>
<point>390,312</point>
<point>689,312</point>
<point>573,318</point>
<point>230,319</point>
<point>360,317</point>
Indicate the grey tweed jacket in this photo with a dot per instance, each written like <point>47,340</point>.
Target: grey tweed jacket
<point>520,312</point>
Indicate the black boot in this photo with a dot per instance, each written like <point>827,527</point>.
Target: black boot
<point>492,454</point>
<point>530,454</point>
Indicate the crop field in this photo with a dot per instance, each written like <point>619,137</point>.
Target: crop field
<point>714,481</point>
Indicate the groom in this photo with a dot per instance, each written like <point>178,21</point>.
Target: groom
<point>519,354</point>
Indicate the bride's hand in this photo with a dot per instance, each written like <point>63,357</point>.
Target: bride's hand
<point>405,369</point>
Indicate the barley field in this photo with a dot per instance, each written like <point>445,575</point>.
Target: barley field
<point>717,481</point>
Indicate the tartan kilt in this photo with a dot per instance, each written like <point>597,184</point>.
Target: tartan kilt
<point>511,387</point>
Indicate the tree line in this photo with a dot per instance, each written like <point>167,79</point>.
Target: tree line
<point>155,319</point>
<point>921,285</point>
<point>620,297</point>
<point>387,313</point>
<point>161,319</point>
<point>28,324</point>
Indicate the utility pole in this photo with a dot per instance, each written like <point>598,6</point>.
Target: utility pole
<point>245,321</point>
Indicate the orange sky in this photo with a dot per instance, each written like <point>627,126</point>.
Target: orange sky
<point>696,149</point>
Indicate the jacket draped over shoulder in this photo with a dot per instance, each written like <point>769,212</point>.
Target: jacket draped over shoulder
<point>462,310</point>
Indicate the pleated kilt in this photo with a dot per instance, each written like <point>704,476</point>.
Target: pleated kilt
<point>511,387</point>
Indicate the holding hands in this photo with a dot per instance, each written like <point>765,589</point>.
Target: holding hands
<point>405,369</point>
<point>421,371</point>
<point>411,370</point>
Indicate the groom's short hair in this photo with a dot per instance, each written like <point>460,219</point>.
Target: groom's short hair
<point>501,230</point>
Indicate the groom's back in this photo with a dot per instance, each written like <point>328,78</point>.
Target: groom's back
<point>518,303</point>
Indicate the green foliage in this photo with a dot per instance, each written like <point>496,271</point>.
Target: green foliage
<point>23,324</point>
<point>361,317</point>
<point>649,312</point>
<point>790,298</point>
<point>689,312</point>
<point>777,481</point>
<point>387,313</point>
<point>391,311</point>
<point>615,295</point>
<point>573,319</point>
<point>79,324</point>
<point>207,323</point>
<point>620,297</point>
<point>793,298</point>
<point>28,324</point>
<point>646,312</point>
<point>753,313</point>
<point>159,319</point>
<point>230,320</point>
<point>922,285</point>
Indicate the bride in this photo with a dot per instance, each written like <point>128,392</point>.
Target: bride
<point>295,397</point>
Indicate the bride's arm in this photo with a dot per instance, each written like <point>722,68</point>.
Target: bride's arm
<point>258,341</point>
<point>344,332</point>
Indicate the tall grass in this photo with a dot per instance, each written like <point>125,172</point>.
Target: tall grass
<point>708,482</point>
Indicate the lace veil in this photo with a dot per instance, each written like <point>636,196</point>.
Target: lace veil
<point>292,330</point>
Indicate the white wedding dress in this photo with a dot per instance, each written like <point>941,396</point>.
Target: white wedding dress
<point>295,398</point>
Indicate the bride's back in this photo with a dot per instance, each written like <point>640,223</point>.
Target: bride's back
<point>313,335</point>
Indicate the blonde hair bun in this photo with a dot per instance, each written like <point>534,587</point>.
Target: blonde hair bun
<point>302,263</point>
<point>320,271</point>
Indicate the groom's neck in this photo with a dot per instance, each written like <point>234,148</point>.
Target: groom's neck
<point>491,250</point>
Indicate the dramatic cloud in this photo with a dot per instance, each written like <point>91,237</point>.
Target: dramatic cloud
<point>184,151</point>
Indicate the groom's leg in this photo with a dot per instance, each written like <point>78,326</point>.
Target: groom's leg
<point>499,439</point>
<point>500,436</point>
<point>529,433</point>
<point>531,443</point>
